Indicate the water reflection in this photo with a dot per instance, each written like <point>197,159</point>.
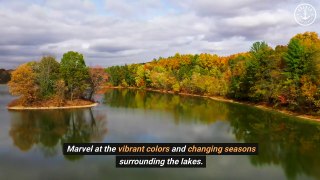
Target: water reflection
<point>184,108</point>
<point>290,143</point>
<point>48,130</point>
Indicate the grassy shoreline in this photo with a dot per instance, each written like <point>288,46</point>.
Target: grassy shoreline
<point>223,99</point>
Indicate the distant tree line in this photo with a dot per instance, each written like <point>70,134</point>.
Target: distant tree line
<point>5,76</point>
<point>286,76</point>
<point>54,82</point>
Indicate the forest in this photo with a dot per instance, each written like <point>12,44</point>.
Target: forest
<point>50,83</point>
<point>286,76</point>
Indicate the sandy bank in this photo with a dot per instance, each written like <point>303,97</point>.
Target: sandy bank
<point>51,107</point>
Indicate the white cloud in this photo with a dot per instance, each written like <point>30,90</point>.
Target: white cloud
<point>117,32</point>
<point>264,18</point>
<point>70,5</point>
<point>141,8</point>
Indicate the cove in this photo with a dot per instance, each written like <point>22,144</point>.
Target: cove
<point>31,141</point>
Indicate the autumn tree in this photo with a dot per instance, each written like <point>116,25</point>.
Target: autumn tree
<point>75,73</point>
<point>285,76</point>
<point>50,83</point>
<point>60,90</point>
<point>295,60</point>
<point>237,64</point>
<point>302,70</point>
<point>262,65</point>
<point>47,73</point>
<point>140,78</point>
<point>97,77</point>
<point>23,84</point>
<point>276,76</point>
<point>116,77</point>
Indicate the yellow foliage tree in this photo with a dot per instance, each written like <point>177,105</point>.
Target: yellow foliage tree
<point>308,89</point>
<point>309,40</point>
<point>23,84</point>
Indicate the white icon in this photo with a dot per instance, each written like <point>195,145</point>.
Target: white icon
<point>305,14</point>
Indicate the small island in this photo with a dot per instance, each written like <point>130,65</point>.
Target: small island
<point>48,84</point>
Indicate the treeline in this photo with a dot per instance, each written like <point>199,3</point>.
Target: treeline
<point>52,83</point>
<point>5,76</point>
<point>286,76</point>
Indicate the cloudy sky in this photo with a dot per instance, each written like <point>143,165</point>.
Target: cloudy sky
<point>110,32</point>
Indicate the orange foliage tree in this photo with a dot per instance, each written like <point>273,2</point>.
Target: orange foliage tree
<point>23,84</point>
<point>97,77</point>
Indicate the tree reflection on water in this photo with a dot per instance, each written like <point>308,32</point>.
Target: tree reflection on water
<point>49,129</point>
<point>285,141</point>
<point>290,143</point>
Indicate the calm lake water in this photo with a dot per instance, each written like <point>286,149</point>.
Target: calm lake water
<point>31,141</point>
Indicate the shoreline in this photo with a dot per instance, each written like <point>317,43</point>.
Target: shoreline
<point>51,107</point>
<point>223,99</point>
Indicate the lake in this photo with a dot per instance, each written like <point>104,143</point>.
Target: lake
<point>31,141</point>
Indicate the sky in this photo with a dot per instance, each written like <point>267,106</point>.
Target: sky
<point>117,32</point>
